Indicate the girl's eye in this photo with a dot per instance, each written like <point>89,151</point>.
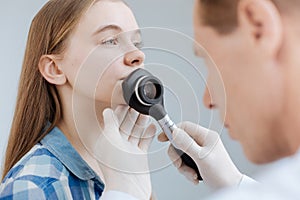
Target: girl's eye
<point>139,45</point>
<point>111,42</point>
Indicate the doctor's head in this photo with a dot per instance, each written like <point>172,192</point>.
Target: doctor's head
<point>254,44</point>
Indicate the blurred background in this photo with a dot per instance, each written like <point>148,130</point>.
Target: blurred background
<point>167,30</point>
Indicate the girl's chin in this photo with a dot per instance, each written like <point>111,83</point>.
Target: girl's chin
<point>118,99</point>
<point>112,103</point>
<point>118,103</point>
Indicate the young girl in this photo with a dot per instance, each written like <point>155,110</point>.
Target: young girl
<point>78,52</point>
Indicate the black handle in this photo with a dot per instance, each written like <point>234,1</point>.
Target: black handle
<point>187,160</point>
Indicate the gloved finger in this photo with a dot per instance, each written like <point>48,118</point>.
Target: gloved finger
<point>189,173</point>
<point>162,137</point>
<point>181,140</point>
<point>111,128</point>
<point>138,129</point>
<point>128,123</point>
<point>175,157</point>
<point>110,120</point>
<point>197,132</point>
<point>147,138</point>
<point>121,111</point>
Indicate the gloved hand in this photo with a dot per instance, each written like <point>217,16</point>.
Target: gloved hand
<point>121,152</point>
<point>207,150</point>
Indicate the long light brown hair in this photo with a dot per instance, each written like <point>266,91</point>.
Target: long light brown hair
<point>38,102</point>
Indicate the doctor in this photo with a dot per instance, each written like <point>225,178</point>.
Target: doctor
<point>255,45</point>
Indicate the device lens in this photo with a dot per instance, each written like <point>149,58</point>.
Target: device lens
<point>150,90</point>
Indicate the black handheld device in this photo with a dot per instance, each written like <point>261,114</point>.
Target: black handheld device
<point>144,92</point>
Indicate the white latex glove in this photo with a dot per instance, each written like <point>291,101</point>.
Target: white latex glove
<point>207,150</point>
<point>121,151</point>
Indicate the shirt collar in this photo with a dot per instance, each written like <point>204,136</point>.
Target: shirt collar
<point>56,142</point>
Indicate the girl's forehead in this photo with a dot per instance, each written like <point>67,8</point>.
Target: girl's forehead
<point>106,12</point>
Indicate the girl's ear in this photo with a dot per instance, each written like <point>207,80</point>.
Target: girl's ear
<point>51,71</point>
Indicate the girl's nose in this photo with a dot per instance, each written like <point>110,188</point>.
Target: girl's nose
<point>134,58</point>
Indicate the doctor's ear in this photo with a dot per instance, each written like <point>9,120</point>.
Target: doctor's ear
<point>261,21</point>
<point>51,71</point>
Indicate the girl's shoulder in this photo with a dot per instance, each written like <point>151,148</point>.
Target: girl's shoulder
<point>52,169</point>
<point>37,172</point>
<point>38,162</point>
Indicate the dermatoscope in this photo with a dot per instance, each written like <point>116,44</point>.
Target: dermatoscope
<point>144,92</point>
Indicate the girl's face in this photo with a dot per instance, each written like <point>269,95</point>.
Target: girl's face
<point>102,51</point>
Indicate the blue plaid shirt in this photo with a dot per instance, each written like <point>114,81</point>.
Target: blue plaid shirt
<point>52,169</point>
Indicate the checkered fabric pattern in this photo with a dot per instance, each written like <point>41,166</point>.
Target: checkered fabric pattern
<point>52,169</point>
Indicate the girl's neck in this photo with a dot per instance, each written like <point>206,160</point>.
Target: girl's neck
<point>82,124</point>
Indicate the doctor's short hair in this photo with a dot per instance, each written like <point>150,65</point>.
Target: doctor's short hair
<point>222,14</point>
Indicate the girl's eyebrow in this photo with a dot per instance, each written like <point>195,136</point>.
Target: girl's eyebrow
<point>106,28</point>
<point>114,27</point>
